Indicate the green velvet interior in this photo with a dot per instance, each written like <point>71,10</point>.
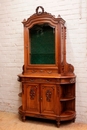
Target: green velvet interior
<point>42,44</point>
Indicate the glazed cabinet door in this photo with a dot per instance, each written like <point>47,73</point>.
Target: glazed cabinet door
<point>32,98</point>
<point>48,100</point>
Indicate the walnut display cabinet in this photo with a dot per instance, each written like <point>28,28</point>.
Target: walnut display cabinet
<point>47,80</point>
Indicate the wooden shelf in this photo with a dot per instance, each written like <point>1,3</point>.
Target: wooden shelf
<point>20,108</point>
<point>20,94</point>
<point>68,115</point>
<point>67,98</point>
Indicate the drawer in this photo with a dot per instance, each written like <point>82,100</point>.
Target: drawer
<point>39,80</point>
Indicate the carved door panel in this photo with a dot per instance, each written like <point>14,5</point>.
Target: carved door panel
<point>32,102</point>
<point>48,99</point>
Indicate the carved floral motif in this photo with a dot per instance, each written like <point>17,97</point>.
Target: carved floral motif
<point>32,94</point>
<point>48,95</point>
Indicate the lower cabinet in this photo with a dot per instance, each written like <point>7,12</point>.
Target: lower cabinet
<point>39,99</point>
<point>48,100</point>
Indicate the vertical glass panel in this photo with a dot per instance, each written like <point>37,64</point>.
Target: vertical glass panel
<point>42,44</point>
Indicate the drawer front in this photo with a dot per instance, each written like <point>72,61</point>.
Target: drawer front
<point>39,80</point>
<point>49,80</point>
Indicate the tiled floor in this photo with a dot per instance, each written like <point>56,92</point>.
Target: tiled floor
<point>10,121</point>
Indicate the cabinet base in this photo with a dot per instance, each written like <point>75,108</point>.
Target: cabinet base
<point>63,117</point>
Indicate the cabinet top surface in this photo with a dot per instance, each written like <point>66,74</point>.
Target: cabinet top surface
<point>46,76</point>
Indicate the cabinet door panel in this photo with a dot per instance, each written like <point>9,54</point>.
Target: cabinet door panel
<point>48,99</point>
<point>32,102</point>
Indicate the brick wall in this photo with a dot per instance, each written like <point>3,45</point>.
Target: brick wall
<point>12,13</point>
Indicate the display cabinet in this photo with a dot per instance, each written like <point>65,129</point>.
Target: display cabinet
<point>47,80</point>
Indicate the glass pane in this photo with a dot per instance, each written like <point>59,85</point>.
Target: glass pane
<point>42,43</point>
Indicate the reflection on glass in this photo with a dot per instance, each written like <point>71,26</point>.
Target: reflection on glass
<point>42,43</point>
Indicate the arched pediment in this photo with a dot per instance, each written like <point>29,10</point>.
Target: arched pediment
<point>41,16</point>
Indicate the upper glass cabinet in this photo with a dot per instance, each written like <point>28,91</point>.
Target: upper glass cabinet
<point>42,44</point>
